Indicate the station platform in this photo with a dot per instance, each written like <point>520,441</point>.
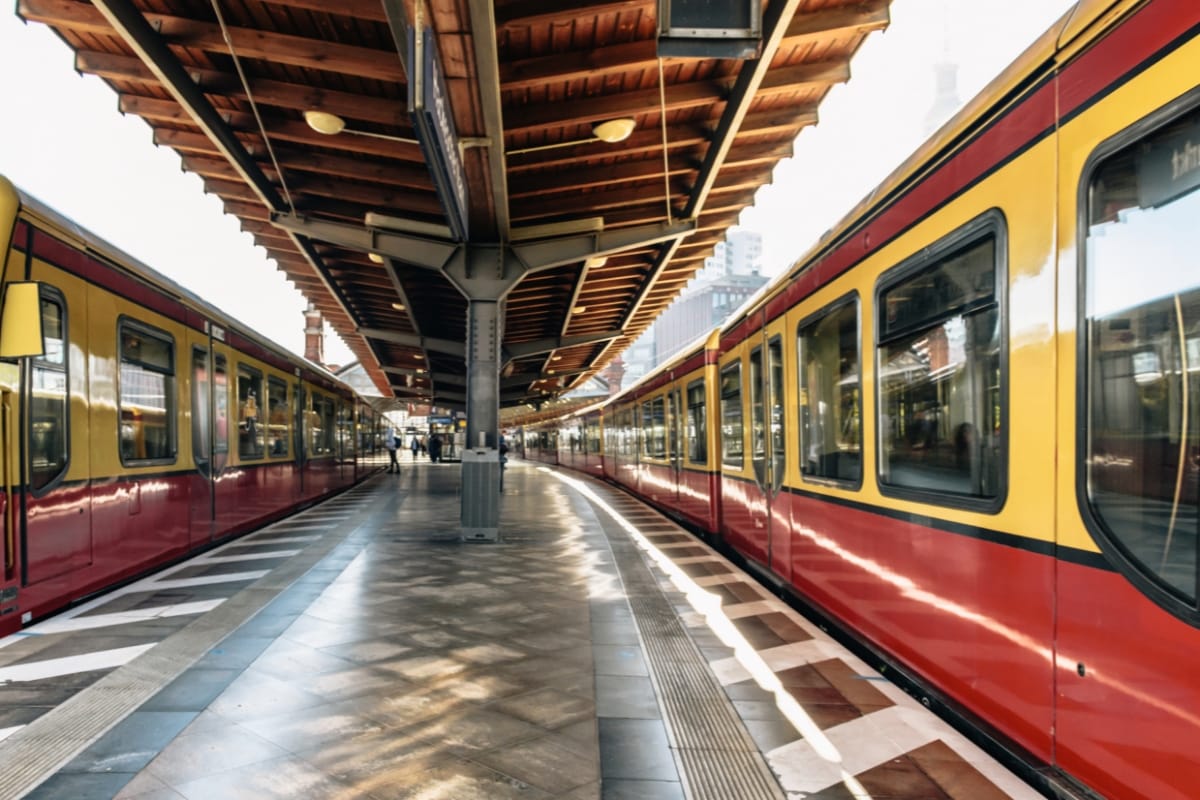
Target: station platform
<point>360,650</point>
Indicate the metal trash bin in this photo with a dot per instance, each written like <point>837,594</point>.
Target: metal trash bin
<point>480,495</point>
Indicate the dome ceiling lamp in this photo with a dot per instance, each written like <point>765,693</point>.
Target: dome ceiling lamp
<point>327,124</point>
<point>610,132</point>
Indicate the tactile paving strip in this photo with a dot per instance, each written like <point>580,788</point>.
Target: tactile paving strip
<point>716,755</point>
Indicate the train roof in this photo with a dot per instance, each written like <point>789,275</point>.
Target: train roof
<point>124,261</point>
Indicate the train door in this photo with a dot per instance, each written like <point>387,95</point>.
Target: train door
<point>300,398</point>
<point>778,505</point>
<point>769,513</point>
<point>210,433</point>
<point>1128,617</point>
<point>675,440</point>
<point>55,512</point>
<point>201,494</point>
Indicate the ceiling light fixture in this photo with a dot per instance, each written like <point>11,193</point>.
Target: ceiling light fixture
<point>614,130</point>
<point>578,309</point>
<point>378,259</point>
<point>331,124</point>
<point>610,132</point>
<point>398,306</point>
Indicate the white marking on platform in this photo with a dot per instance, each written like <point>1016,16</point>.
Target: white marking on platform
<point>251,557</point>
<point>70,665</point>
<point>79,623</point>
<point>7,732</point>
<point>279,540</point>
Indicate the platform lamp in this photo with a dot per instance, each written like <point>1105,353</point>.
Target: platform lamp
<point>610,132</point>
<point>329,124</point>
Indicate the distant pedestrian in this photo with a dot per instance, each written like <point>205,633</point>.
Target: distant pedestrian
<point>435,448</point>
<point>416,447</point>
<point>390,441</point>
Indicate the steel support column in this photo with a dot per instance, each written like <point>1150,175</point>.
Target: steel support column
<point>485,274</point>
<point>483,373</point>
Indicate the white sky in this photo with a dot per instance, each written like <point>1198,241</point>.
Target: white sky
<point>63,141</point>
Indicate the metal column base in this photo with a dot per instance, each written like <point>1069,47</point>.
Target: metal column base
<point>480,495</point>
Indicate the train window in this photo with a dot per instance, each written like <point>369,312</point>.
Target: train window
<point>321,426</point>
<point>758,442</point>
<point>653,429</point>
<point>49,397</point>
<point>1141,298</point>
<point>940,356</point>
<point>220,405</point>
<point>278,418</point>
<point>201,411</point>
<point>251,431</point>
<point>346,430</point>
<point>593,434</point>
<point>830,394</point>
<point>146,393</point>
<point>775,411</point>
<point>732,436</point>
<point>697,437</point>
<point>673,426</point>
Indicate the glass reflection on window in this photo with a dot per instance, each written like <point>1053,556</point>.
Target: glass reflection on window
<point>1142,309</point>
<point>732,435</point>
<point>939,378</point>
<point>49,401</point>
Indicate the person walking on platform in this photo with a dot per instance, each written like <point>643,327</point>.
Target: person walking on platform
<point>416,448</point>
<point>435,448</point>
<point>390,441</point>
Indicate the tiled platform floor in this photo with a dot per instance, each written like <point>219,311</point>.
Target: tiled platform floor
<point>385,659</point>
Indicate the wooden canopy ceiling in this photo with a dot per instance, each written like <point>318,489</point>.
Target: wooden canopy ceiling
<point>226,83</point>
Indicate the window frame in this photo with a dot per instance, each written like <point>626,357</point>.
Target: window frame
<point>125,322</point>
<point>1109,544</point>
<point>850,299</point>
<point>48,293</point>
<point>990,224</point>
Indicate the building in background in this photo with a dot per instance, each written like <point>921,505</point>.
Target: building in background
<point>730,275</point>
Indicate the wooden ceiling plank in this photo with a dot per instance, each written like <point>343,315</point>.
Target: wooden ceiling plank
<point>534,12</point>
<point>154,109</point>
<point>863,17</point>
<point>594,109</point>
<point>579,65</point>
<point>299,97</point>
<point>296,51</point>
<point>360,9</point>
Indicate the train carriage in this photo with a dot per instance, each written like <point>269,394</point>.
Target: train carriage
<point>148,426</point>
<point>966,425</point>
<point>659,441</point>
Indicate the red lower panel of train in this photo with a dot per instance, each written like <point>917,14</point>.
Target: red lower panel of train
<point>81,539</point>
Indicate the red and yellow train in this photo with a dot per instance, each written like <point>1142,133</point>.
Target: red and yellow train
<point>143,424</point>
<point>966,424</point>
